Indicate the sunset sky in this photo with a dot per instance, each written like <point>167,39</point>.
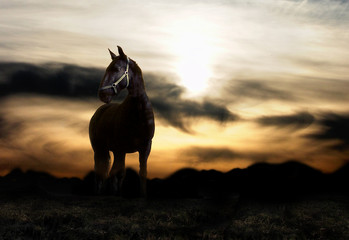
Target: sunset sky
<point>232,83</point>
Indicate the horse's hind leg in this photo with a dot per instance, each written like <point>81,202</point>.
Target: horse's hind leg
<point>117,173</point>
<point>143,158</point>
<point>102,164</point>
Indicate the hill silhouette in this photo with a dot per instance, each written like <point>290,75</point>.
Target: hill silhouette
<point>261,180</point>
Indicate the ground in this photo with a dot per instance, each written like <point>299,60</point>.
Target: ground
<point>108,217</point>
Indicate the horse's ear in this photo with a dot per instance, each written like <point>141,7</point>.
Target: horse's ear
<point>113,56</point>
<point>121,53</point>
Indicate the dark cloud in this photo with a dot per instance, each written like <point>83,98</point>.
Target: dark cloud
<point>167,100</point>
<point>74,81</point>
<point>310,89</point>
<point>51,79</point>
<point>206,155</point>
<point>257,90</point>
<point>295,121</point>
<point>197,155</point>
<point>7,128</point>
<point>301,89</point>
<point>177,112</point>
<point>334,127</point>
<point>158,85</point>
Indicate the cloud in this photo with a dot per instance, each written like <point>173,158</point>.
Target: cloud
<point>302,91</point>
<point>51,79</point>
<point>45,136</point>
<point>8,127</point>
<point>210,154</point>
<point>177,112</point>
<point>333,127</point>
<point>79,82</point>
<point>257,90</point>
<point>202,155</point>
<point>296,121</point>
<point>168,101</point>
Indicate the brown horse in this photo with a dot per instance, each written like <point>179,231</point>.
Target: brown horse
<point>121,128</point>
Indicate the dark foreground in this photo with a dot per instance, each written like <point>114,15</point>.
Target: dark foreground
<point>263,201</point>
<point>107,217</point>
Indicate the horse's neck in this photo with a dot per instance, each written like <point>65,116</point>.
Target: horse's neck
<point>136,92</point>
<point>138,104</point>
<point>136,89</point>
<point>137,100</point>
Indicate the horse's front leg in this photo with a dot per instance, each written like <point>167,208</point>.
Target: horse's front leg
<point>102,163</point>
<point>143,158</point>
<point>117,173</point>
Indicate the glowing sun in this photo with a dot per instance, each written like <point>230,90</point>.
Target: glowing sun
<point>194,54</point>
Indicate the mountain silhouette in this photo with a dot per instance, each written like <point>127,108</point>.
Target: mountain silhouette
<point>18,182</point>
<point>282,180</point>
<point>261,180</point>
<point>338,180</point>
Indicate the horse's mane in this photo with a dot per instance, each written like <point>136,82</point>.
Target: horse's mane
<point>138,70</point>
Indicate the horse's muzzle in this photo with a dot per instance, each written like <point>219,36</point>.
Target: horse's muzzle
<point>105,96</point>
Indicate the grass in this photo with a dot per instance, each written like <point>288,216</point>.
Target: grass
<point>74,217</point>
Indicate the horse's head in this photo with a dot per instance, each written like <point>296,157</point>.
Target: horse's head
<point>117,76</point>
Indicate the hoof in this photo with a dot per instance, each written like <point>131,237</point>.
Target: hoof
<point>114,186</point>
<point>98,187</point>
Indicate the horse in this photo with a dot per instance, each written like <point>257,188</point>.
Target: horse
<point>121,128</point>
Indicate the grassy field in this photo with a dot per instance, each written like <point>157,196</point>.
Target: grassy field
<point>77,217</point>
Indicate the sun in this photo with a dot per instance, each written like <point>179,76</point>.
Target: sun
<point>193,67</point>
<point>194,55</point>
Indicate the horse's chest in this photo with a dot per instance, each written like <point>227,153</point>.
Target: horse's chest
<point>132,123</point>
<point>132,126</point>
<point>130,136</point>
<point>129,126</point>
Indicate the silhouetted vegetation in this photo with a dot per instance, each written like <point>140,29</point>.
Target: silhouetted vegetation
<point>109,217</point>
<point>298,203</point>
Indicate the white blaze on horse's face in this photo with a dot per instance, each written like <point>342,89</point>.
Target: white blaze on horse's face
<point>116,77</point>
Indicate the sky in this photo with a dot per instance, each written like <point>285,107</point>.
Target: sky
<point>232,83</point>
